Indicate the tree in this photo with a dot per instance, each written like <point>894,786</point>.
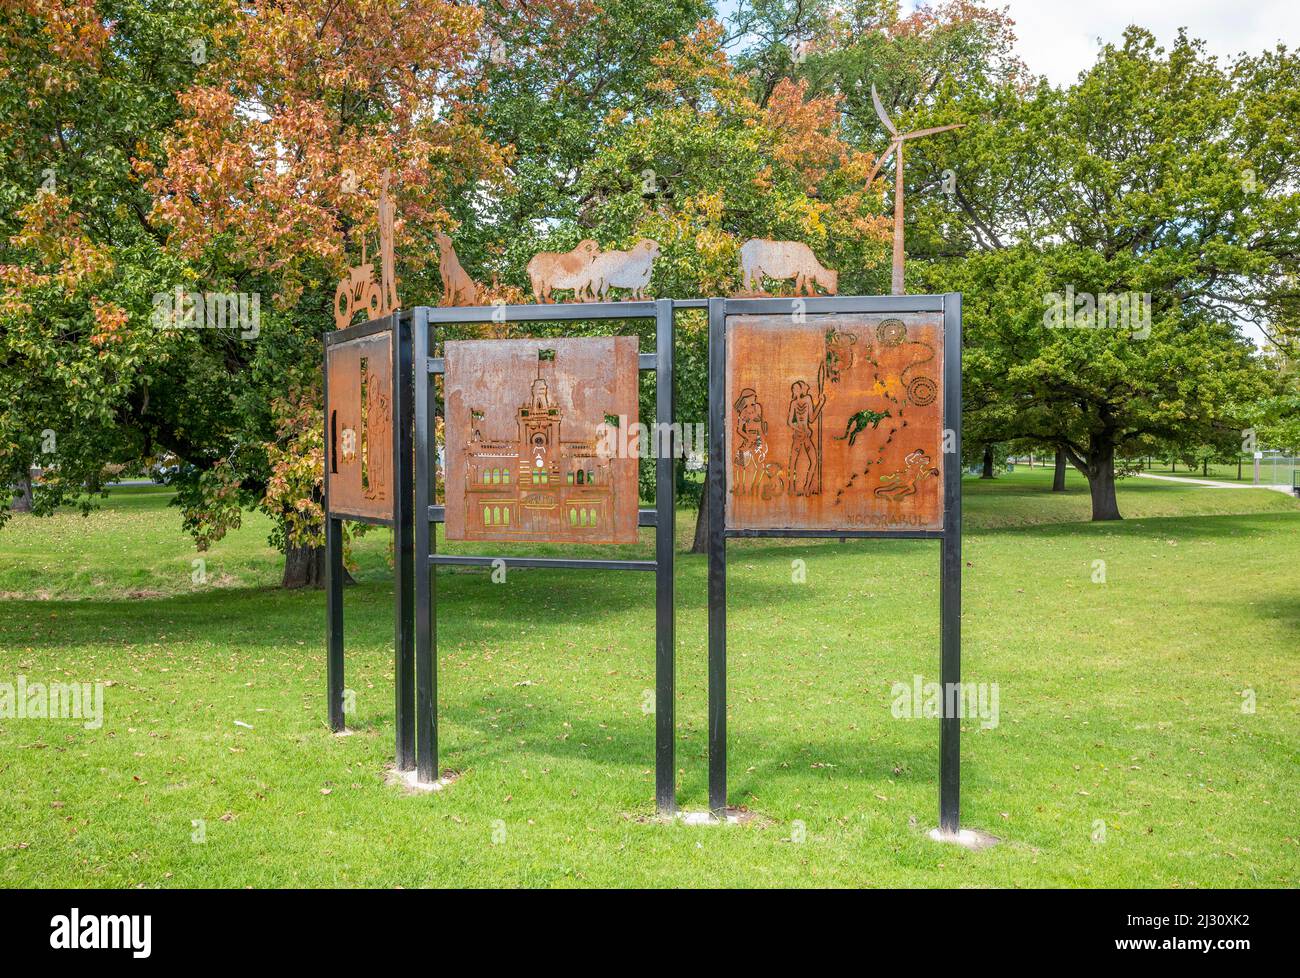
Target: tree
<point>86,94</point>
<point>1139,192</point>
<point>270,185</point>
<point>1275,419</point>
<point>1100,394</point>
<point>941,63</point>
<point>549,96</point>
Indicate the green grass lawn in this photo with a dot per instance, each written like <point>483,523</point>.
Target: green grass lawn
<point>1122,755</point>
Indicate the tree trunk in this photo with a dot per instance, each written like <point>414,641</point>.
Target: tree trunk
<point>1238,468</point>
<point>988,463</point>
<point>1099,468</point>
<point>1205,467</point>
<point>1058,477</point>
<point>700,545</point>
<point>1102,487</point>
<point>1100,471</point>
<point>22,495</point>
<point>304,566</point>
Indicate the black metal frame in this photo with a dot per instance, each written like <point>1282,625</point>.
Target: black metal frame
<point>720,310</point>
<point>414,514</point>
<point>662,518</point>
<point>399,326</point>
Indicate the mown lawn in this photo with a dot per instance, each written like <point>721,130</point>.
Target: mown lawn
<point>1270,471</point>
<point>1122,755</point>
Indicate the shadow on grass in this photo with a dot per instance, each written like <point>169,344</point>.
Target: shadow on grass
<point>499,722</point>
<point>1192,527</point>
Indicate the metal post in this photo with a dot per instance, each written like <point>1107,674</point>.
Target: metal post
<point>665,545</point>
<point>715,499</point>
<point>403,545</point>
<point>950,573</point>
<point>334,622</point>
<point>896,278</point>
<point>426,664</point>
<point>333,584</point>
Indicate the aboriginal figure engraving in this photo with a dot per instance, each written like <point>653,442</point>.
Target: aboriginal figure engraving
<point>805,454</point>
<point>753,473</point>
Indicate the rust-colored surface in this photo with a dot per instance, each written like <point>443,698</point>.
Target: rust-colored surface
<point>835,422</point>
<point>541,440</point>
<point>359,292</point>
<point>896,150</point>
<point>591,274</point>
<point>359,427</point>
<point>551,270</point>
<point>791,261</point>
<point>458,289</point>
<point>625,270</point>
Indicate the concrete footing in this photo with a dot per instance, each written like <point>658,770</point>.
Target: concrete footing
<point>707,818</point>
<point>966,838</point>
<point>410,781</point>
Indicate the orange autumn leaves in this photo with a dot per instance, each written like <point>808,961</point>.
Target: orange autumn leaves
<point>279,156</point>
<point>55,37</point>
<point>812,146</point>
<point>66,258</point>
<point>786,158</point>
<point>810,143</point>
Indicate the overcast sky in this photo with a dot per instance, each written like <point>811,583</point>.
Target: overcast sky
<point>1058,38</point>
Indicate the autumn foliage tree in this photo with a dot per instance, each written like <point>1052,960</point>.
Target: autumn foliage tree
<point>87,89</point>
<point>271,184</point>
<point>701,167</point>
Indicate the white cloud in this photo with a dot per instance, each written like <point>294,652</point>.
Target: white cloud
<point>1059,39</point>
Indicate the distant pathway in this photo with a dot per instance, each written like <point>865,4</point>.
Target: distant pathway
<point>1211,483</point>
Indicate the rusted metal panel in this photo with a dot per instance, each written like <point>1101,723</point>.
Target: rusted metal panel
<point>359,427</point>
<point>834,422</point>
<point>541,440</point>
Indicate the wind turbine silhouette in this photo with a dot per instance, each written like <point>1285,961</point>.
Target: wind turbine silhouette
<point>896,146</point>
